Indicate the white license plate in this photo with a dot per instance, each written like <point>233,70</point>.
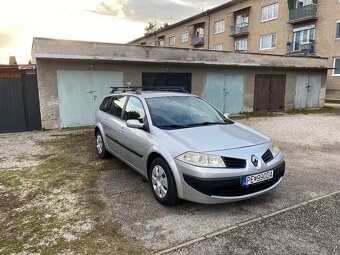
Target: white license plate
<point>256,178</point>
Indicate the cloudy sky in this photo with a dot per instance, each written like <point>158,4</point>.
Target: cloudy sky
<point>116,21</point>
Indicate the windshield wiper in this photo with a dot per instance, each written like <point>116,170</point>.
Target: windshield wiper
<point>207,123</point>
<point>174,126</point>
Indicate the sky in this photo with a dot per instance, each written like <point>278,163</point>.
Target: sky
<point>116,21</point>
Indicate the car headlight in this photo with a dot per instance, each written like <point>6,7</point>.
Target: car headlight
<point>274,149</point>
<point>201,160</point>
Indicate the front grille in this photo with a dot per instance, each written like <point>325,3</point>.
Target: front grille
<point>234,162</point>
<point>267,156</point>
<point>231,186</point>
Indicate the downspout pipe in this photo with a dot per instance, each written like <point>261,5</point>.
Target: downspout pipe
<point>208,29</point>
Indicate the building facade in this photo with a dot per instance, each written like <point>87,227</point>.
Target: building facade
<point>73,77</point>
<point>309,28</point>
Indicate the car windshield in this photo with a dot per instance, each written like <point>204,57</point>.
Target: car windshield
<point>183,112</point>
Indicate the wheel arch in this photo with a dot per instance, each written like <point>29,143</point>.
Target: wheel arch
<point>172,166</point>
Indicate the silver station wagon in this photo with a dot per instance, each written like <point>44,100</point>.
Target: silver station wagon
<point>185,148</point>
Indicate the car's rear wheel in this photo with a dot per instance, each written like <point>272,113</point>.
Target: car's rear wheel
<point>162,182</point>
<point>100,145</point>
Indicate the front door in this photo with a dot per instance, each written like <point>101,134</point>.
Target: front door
<point>225,91</point>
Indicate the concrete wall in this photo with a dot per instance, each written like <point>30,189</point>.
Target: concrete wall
<point>48,87</point>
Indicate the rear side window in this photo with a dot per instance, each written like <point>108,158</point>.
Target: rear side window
<point>117,105</point>
<point>105,105</point>
<point>134,110</point>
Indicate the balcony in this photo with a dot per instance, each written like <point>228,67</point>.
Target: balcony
<point>237,31</point>
<point>304,13</point>
<point>197,41</point>
<point>300,47</point>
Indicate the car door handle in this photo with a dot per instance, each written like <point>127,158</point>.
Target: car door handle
<point>121,130</point>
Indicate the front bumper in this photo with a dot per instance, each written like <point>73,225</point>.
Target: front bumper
<point>221,185</point>
<point>232,186</point>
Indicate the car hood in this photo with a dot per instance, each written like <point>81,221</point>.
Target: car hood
<point>217,137</point>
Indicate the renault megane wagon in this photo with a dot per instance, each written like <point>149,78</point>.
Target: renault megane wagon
<point>186,148</point>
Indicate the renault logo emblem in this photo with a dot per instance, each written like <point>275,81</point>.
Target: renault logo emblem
<point>255,160</point>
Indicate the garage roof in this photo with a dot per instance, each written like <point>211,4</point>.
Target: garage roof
<point>44,48</point>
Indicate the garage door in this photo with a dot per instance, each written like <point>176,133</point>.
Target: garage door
<point>307,92</point>
<point>81,92</point>
<point>167,80</point>
<point>225,91</point>
<point>269,92</point>
<point>19,102</point>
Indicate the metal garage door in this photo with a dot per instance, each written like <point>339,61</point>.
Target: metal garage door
<point>307,91</point>
<point>269,92</point>
<point>81,92</point>
<point>167,80</point>
<point>19,102</point>
<point>225,91</point>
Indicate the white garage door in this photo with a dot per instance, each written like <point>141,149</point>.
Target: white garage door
<point>81,92</point>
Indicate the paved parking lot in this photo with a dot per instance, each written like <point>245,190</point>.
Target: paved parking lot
<point>65,178</point>
<point>279,222</point>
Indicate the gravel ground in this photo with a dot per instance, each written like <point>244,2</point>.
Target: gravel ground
<point>18,150</point>
<point>311,145</point>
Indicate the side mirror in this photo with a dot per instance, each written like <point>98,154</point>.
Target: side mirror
<point>134,124</point>
<point>227,115</point>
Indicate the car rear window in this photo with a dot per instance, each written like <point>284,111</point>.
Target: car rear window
<point>105,105</point>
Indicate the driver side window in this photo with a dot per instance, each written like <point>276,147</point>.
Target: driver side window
<point>134,110</point>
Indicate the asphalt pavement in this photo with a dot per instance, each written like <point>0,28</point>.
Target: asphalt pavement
<point>301,216</point>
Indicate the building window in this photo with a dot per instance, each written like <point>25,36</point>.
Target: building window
<point>268,42</point>
<point>336,71</point>
<point>304,38</point>
<point>160,42</point>
<point>242,20</point>
<point>172,41</point>
<point>338,29</point>
<point>270,12</point>
<point>301,3</point>
<point>241,45</point>
<point>219,46</point>
<point>219,26</point>
<point>185,37</point>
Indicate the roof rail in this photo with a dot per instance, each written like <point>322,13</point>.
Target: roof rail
<point>138,90</point>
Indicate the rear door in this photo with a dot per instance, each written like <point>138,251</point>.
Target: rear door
<point>112,123</point>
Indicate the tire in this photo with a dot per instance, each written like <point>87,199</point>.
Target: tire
<point>100,146</point>
<point>162,182</point>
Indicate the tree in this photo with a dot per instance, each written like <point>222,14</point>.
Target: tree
<point>153,27</point>
<point>150,28</point>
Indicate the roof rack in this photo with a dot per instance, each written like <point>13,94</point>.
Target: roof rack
<point>138,90</point>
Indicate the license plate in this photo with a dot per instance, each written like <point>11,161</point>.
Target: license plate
<point>256,178</point>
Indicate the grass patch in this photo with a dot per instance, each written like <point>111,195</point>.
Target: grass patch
<point>55,207</point>
<point>22,158</point>
<point>248,115</point>
<point>332,101</point>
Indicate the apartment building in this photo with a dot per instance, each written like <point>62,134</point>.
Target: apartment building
<point>309,28</point>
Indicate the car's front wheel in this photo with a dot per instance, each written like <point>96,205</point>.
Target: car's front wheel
<point>162,182</point>
<point>101,150</point>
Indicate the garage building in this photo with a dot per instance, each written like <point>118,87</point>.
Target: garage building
<point>74,76</point>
